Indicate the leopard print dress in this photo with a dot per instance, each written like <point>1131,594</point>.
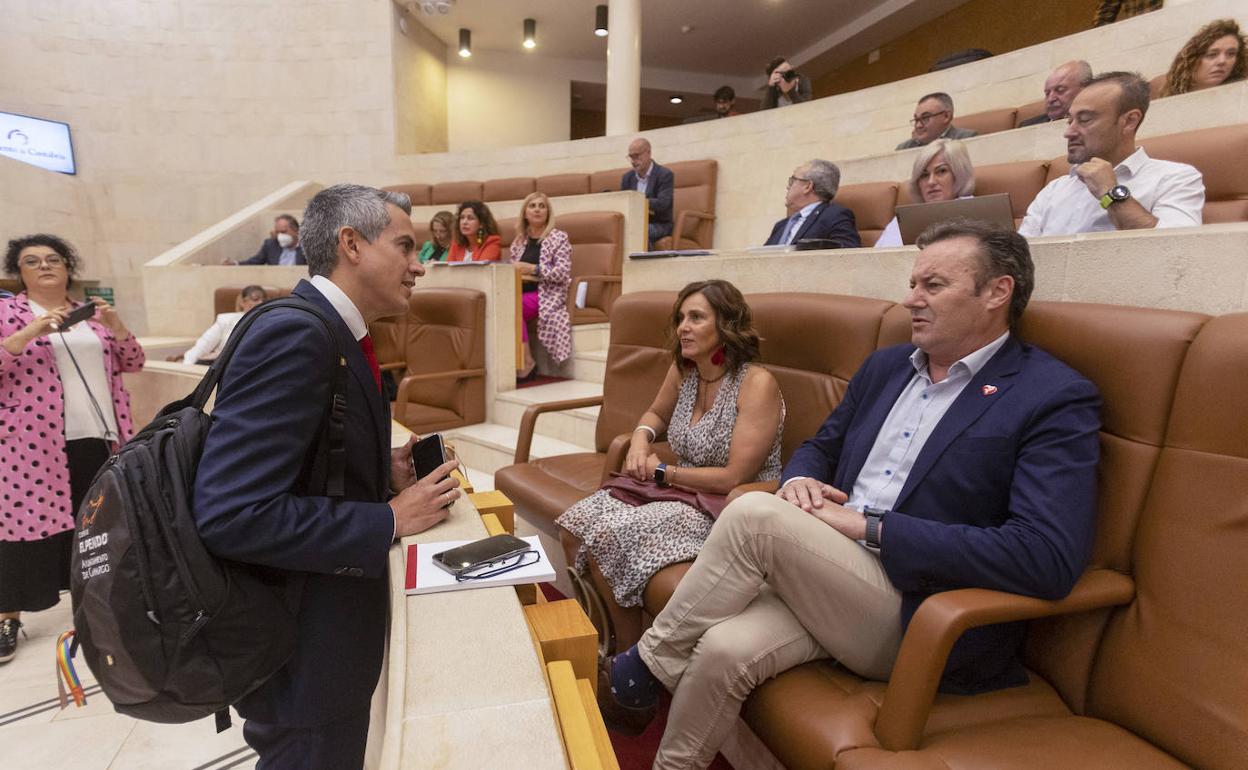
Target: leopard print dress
<point>631,543</point>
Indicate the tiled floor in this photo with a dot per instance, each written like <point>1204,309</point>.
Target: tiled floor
<point>36,734</point>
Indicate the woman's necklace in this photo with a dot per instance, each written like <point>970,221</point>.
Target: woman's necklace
<point>704,390</point>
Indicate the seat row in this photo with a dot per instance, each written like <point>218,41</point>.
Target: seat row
<point>1213,151</point>
<point>1142,666</point>
<point>693,198</point>
<point>1006,118</point>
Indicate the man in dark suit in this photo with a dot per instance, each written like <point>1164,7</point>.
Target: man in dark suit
<point>1060,89</point>
<point>964,460</point>
<point>812,214</point>
<point>281,247</point>
<point>255,504</point>
<point>656,182</point>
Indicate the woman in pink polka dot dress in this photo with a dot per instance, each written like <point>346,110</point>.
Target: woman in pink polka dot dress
<point>63,409</point>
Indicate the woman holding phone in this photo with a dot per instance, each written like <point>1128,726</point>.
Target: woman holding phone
<point>63,410</point>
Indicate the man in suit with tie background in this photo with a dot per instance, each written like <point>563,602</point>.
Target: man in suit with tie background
<point>253,501</point>
<point>966,459</point>
<point>812,214</point>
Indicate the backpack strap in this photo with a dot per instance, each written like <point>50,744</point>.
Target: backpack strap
<point>332,435</point>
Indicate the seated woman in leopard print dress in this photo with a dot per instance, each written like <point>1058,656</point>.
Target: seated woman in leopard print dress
<point>723,419</point>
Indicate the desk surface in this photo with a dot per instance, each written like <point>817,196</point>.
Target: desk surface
<point>464,686</point>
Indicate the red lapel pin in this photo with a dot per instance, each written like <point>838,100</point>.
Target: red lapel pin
<point>990,389</point>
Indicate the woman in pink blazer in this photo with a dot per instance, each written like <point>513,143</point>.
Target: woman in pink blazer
<point>543,255</point>
<point>63,409</point>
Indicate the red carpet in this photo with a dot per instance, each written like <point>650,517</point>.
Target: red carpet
<point>637,753</point>
<point>541,379</point>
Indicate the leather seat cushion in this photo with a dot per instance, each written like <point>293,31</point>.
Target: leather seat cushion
<point>1028,742</point>
<point>545,488</point>
<point>809,715</point>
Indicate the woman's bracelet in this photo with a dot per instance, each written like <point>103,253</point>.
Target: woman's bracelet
<point>653,436</point>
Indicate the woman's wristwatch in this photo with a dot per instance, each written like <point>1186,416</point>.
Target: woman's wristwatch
<point>661,475</point>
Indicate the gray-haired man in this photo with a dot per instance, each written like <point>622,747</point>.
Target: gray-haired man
<point>254,502</point>
<point>812,216</point>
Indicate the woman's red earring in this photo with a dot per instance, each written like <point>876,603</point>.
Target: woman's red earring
<point>717,357</point>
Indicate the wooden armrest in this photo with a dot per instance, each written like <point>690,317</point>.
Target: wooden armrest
<point>942,618</point>
<point>400,397</point>
<point>525,440</point>
<point>392,366</point>
<point>754,486</point>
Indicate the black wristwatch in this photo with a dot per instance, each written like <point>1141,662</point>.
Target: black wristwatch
<point>660,474</point>
<point>874,517</point>
<point>1116,194</point>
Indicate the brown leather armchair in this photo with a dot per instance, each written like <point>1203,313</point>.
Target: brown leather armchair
<point>693,206</point>
<point>439,350</point>
<point>597,239</point>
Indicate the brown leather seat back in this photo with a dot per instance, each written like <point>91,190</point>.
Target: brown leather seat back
<point>813,344</point>
<point>1029,111</point>
<point>1155,85</point>
<point>506,234</point>
<point>1133,356</point>
<point>510,189</point>
<point>454,193</point>
<point>637,361</point>
<point>989,121</point>
<point>694,191</point>
<point>1218,153</point>
<point>225,298</point>
<point>873,204</point>
<point>1173,665</point>
<point>563,184</point>
<point>606,181</point>
<point>1023,180</point>
<point>597,249</point>
<point>419,193</point>
<point>895,328</point>
<point>445,330</point>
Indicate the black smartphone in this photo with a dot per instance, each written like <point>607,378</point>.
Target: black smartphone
<point>427,455</point>
<point>481,554</point>
<point>78,315</point>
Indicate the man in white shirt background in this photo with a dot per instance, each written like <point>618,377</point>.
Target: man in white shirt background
<point>211,342</point>
<point>1113,184</point>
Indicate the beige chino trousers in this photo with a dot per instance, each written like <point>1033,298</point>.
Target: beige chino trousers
<point>772,588</point>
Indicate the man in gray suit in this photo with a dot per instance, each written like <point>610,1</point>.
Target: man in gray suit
<point>933,119</point>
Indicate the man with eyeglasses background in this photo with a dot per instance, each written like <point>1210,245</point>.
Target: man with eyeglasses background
<point>811,212</point>
<point>933,119</point>
<point>656,182</point>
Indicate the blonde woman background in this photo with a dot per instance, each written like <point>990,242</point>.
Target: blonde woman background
<point>542,254</point>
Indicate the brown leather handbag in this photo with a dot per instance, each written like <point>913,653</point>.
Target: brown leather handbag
<point>634,492</point>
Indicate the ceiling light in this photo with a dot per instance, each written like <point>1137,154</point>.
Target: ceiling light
<point>444,6</point>
<point>433,7</point>
<point>465,43</point>
<point>600,21</point>
<point>530,33</point>
<point>676,99</point>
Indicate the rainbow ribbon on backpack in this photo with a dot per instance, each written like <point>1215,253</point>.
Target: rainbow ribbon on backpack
<point>67,682</point>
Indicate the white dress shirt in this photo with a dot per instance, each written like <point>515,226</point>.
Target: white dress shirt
<point>350,314</point>
<point>1172,192</point>
<point>643,180</point>
<point>289,256</point>
<point>212,342</point>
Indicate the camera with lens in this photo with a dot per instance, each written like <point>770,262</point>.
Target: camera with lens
<point>789,75</point>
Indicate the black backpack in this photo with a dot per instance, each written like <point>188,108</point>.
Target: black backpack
<point>172,633</point>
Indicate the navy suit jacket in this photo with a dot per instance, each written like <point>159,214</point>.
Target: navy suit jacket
<point>270,253</point>
<point>1002,495</point>
<point>249,507</point>
<point>659,191</point>
<point>828,220</point>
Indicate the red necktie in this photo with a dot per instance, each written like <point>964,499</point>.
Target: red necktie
<point>366,347</point>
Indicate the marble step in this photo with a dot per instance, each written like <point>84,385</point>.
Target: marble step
<point>489,446</point>
<point>587,337</point>
<point>575,426</point>
<point>589,365</point>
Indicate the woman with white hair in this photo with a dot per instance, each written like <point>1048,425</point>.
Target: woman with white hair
<point>942,172</point>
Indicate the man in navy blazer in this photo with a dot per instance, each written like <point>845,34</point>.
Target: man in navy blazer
<point>657,182</point>
<point>282,248</point>
<point>964,460</point>
<point>812,214</point>
<point>253,503</point>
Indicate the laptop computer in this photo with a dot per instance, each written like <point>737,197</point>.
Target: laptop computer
<point>914,218</point>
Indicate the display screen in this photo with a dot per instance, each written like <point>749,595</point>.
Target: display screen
<point>39,142</point>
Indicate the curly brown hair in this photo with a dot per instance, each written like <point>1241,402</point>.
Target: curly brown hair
<point>59,245</point>
<point>732,320</point>
<point>484,216</point>
<point>1179,78</point>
